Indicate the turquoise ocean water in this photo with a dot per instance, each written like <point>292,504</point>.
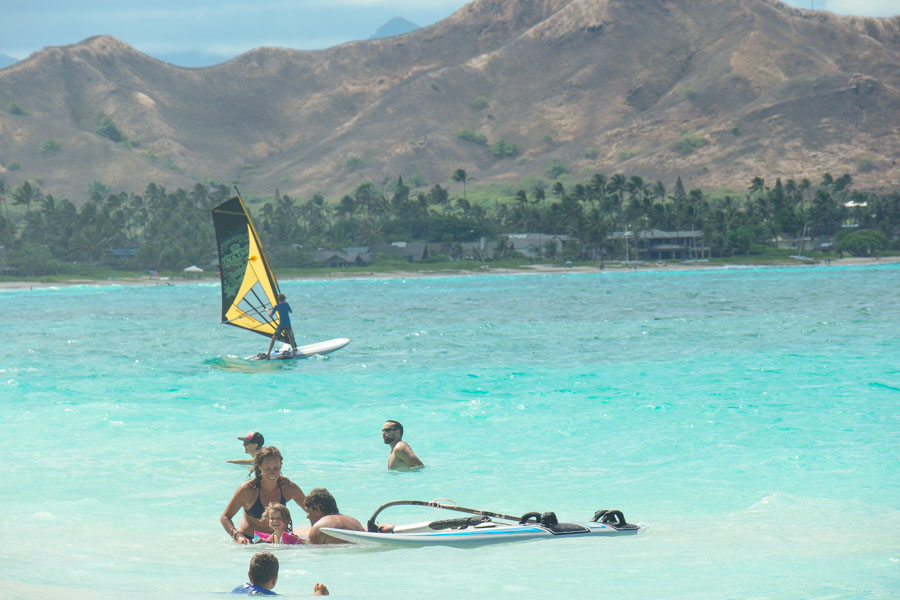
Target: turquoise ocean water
<point>748,417</point>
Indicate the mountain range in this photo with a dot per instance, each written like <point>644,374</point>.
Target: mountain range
<point>714,92</point>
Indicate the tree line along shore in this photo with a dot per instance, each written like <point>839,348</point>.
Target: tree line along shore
<point>597,220</point>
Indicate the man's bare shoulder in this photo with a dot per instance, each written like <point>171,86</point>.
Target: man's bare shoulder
<point>340,522</point>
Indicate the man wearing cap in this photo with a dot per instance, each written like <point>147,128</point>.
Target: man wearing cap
<point>253,441</point>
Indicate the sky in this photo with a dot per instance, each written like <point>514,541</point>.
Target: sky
<point>212,31</point>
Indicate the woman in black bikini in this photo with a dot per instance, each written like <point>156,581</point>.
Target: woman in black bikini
<point>268,486</point>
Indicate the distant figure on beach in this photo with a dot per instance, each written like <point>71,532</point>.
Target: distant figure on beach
<point>284,323</point>
<point>266,487</point>
<point>253,441</point>
<point>263,575</point>
<point>322,511</point>
<point>402,457</point>
<point>278,517</point>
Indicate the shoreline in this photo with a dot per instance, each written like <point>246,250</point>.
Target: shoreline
<point>536,269</point>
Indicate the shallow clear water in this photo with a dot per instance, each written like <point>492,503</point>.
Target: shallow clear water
<point>748,417</point>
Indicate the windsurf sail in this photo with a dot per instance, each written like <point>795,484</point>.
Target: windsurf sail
<point>248,283</point>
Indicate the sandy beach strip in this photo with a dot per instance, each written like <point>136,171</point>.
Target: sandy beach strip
<point>542,269</point>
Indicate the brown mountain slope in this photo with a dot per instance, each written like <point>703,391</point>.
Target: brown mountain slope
<point>750,87</point>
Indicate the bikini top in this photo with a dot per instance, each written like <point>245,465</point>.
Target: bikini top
<point>256,511</point>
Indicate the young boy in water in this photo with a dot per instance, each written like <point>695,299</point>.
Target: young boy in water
<point>263,576</point>
<point>278,517</point>
<point>284,323</point>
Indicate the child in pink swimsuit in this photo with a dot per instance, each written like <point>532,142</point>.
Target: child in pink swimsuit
<point>279,519</point>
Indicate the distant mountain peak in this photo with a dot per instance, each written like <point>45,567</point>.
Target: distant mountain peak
<point>6,60</point>
<point>396,26</point>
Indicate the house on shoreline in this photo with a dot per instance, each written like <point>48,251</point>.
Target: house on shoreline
<point>656,244</point>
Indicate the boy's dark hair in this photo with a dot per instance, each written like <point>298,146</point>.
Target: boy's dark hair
<point>323,500</point>
<point>263,568</point>
<point>281,298</point>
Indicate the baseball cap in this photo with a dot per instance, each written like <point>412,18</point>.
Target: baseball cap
<point>253,437</point>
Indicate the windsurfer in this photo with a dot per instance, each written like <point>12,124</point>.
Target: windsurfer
<point>268,486</point>
<point>284,323</point>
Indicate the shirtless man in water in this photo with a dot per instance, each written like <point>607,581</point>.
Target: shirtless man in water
<point>401,458</point>
<point>322,511</point>
<point>253,496</point>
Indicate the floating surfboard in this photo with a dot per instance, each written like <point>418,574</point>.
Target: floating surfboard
<point>482,534</point>
<point>482,528</point>
<point>304,351</point>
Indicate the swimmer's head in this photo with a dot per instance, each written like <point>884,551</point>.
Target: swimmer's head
<point>322,501</point>
<point>263,569</point>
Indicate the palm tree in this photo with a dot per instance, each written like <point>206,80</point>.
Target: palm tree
<point>3,196</point>
<point>26,194</point>
<point>460,175</point>
<point>539,195</point>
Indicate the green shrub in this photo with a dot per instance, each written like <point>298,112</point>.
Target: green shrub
<point>864,165</point>
<point>435,86</point>
<point>591,153</point>
<point>49,147</point>
<point>106,128</point>
<point>169,164</point>
<point>15,109</point>
<point>97,187</point>
<point>735,131</point>
<point>13,166</point>
<point>503,150</point>
<point>416,181</point>
<point>33,260</point>
<point>354,162</point>
<point>623,155</point>
<point>556,169</point>
<point>863,242</point>
<point>475,138</point>
<point>480,103</point>
<point>688,144</point>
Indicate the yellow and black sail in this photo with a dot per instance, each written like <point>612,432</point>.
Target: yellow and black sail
<point>248,283</point>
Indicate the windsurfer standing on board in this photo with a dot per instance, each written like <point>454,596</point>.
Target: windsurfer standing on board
<point>284,323</point>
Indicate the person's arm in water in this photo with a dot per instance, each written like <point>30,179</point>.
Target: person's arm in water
<point>236,504</point>
<point>241,461</point>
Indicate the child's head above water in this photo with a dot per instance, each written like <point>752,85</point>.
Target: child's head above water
<point>278,512</point>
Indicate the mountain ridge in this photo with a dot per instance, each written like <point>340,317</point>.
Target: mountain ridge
<point>715,93</point>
